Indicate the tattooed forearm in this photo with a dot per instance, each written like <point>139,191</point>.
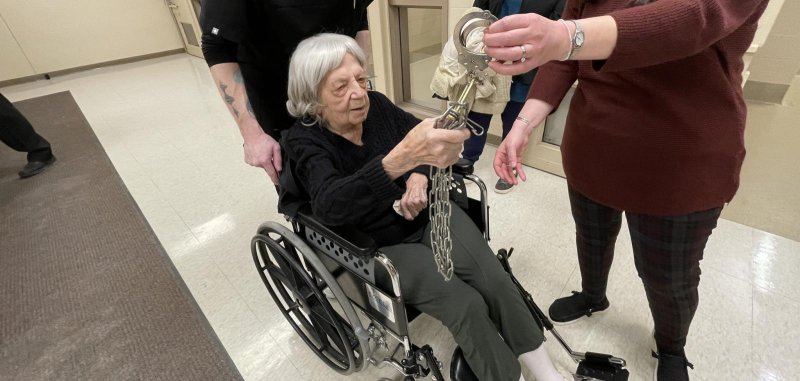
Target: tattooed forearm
<point>228,98</point>
<point>237,77</point>
<point>250,109</point>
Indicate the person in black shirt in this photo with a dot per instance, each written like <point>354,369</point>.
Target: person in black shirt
<point>17,133</point>
<point>247,45</point>
<point>356,155</point>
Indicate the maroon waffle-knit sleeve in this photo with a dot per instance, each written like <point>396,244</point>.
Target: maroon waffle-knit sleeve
<point>553,81</point>
<point>668,30</point>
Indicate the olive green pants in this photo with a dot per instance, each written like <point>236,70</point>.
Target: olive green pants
<point>478,302</point>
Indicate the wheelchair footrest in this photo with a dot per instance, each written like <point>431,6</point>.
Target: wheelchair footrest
<point>597,366</point>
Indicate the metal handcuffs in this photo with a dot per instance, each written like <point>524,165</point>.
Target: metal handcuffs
<point>475,62</point>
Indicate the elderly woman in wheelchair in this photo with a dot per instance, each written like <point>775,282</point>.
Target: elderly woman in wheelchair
<point>357,164</point>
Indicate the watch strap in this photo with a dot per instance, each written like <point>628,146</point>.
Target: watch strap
<point>576,43</point>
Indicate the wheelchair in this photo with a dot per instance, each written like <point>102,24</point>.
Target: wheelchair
<point>319,277</point>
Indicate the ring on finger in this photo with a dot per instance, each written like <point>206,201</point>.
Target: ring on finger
<point>524,53</point>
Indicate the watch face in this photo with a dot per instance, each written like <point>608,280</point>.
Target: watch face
<point>579,39</point>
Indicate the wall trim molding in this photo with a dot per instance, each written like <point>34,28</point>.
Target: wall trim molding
<point>57,73</point>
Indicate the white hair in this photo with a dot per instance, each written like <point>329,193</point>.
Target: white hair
<point>312,60</point>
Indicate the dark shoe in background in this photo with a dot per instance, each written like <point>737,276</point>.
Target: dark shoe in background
<point>570,308</point>
<point>459,369</point>
<point>36,167</point>
<point>503,187</point>
<point>464,166</point>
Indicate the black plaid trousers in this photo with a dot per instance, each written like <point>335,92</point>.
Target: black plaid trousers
<point>667,253</point>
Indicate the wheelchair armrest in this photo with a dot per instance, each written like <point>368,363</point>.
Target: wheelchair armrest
<point>463,168</point>
<point>346,236</point>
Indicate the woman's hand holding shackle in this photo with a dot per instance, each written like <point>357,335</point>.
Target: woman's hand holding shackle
<point>519,43</point>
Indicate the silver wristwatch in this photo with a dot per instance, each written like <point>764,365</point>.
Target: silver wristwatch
<point>578,38</point>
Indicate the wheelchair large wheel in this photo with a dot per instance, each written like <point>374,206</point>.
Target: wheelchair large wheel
<point>297,281</point>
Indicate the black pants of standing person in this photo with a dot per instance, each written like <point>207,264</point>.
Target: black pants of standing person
<point>17,133</point>
<point>667,251</point>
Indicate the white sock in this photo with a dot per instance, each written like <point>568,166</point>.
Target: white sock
<point>539,363</point>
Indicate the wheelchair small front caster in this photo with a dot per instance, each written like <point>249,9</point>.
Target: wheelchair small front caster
<point>459,369</point>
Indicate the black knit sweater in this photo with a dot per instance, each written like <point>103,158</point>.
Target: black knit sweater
<point>346,184</point>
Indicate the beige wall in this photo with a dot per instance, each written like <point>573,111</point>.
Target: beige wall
<point>423,27</point>
<point>456,9</point>
<point>377,14</point>
<point>778,60</point>
<point>767,21</point>
<point>13,63</point>
<point>59,35</point>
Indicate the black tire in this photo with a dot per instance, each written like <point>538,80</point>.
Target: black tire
<point>296,280</point>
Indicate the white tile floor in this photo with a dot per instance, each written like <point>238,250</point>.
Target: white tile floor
<point>172,141</point>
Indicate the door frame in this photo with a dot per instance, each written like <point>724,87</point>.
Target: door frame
<point>184,12</point>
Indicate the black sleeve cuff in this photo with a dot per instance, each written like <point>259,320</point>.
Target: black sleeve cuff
<point>423,170</point>
<point>378,180</point>
<point>218,50</point>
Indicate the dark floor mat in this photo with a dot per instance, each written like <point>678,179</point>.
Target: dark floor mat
<point>87,292</point>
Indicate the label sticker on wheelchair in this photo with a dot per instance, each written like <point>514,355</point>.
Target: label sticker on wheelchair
<point>380,302</point>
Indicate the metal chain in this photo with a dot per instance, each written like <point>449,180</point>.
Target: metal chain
<point>440,207</point>
<point>440,210</point>
<point>439,213</point>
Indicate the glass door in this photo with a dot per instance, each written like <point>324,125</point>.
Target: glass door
<point>544,149</point>
<point>418,31</point>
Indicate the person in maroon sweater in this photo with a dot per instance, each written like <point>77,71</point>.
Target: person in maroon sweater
<point>655,129</point>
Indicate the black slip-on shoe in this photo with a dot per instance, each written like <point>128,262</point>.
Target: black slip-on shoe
<point>35,167</point>
<point>571,308</point>
<point>459,369</point>
<point>464,166</point>
<point>671,367</point>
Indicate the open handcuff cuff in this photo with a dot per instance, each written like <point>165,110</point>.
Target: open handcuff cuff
<point>476,64</point>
